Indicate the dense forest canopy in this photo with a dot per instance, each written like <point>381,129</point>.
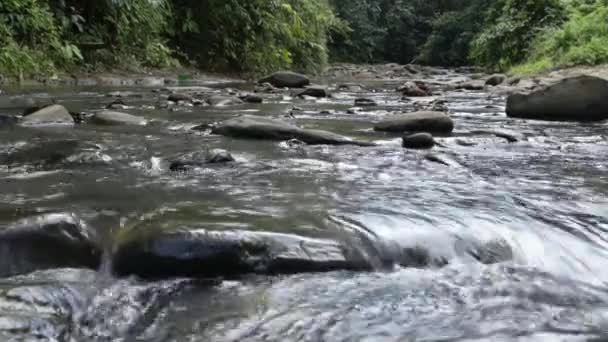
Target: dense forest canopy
<point>44,36</point>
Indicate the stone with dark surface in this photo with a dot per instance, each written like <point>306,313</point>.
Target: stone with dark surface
<point>315,91</point>
<point>365,102</point>
<point>424,121</point>
<point>108,117</point>
<point>414,89</point>
<point>231,253</point>
<point>582,98</point>
<point>180,97</point>
<point>42,152</point>
<point>258,127</point>
<point>287,79</point>
<point>496,79</point>
<point>252,98</point>
<point>47,241</point>
<point>198,159</point>
<point>50,115</point>
<point>418,141</point>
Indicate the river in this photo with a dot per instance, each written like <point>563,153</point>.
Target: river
<point>538,208</point>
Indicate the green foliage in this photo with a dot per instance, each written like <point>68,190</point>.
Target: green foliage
<point>583,39</point>
<point>511,25</point>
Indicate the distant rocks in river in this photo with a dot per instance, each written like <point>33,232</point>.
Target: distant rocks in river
<point>415,89</point>
<point>259,127</point>
<point>50,115</point>
<point>180,97</point>
<point>47,241</point>
<point>199,159</point>
<point>286,79</point>
<point>495,79</point>
<point>315,91</point>
<point>582,98</point>
<point>108,117</point>
<point>204,253</point>
<point>423,121</point>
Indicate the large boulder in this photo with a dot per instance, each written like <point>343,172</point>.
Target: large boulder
<point>108,117</point>
<point>50,115</point>
<point>424,121</point>
<point>582,98</point>
<point>258,127</point>
<point>287,79</point>
<point>205,253</point>
<point>47,241</point>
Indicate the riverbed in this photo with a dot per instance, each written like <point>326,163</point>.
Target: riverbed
<point>508,239</point>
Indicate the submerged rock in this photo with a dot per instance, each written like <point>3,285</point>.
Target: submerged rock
<point>507,135</point>
<point>419,141</point>
<point>287,79</point>
<point>252,98</point>
<point>203,253</point>
<point>7,120</point>
<point>258,127</point>
<point>50,115</point>
<point>47,241</point>
<point>197,159</point>
<point>424,121</point>
<point>365,102</point>
<point>43,152</point>
<point>180,97</point>
<point>581,98</point>
<point>107,117</point>
<point>222,100</point>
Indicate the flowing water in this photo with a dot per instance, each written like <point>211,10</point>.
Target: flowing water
<point>542,199</point>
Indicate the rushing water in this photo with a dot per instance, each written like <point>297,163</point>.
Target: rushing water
<point>542,199</point>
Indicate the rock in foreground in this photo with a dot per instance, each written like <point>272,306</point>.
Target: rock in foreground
<point>582,98</point>
<point>419,141</point>
<point>47,241</point>
<point>50,115</point>
<point>287,79</point>
<point>203,253</point>
<point>425,121</point>
<point>258,127</point>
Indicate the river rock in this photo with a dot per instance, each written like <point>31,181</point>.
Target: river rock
<point>582,98</point>
<point>315,91</point>
<point>198,159</point>
<point>258,127</point>
<point>496,79</point>
<point>205,253</point>
<point>418,141</point>
<point>365,102</point>
<point>47,241</point>
<point>50,115</point>
<point>180,97</point>
<point>424,121</point>
<point>414,89</point>
<point>7,120</point>
<point>108,117</point>
<point>222,100</point>
<point>252,98</point>
<point>471,85</point>
<point>42,152</point>
<point>287,79</point>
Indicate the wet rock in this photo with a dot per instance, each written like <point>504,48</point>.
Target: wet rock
<point>414,89</point>
<point>424,121</point>
<point>258,127</point>
<point>420,257</point>
<point>472,85</point>
<point>198,159</point>
<point>123,94</point>
<point>204,253</point>
<point>251,98</point>
<point>419,141</point>
<point>222,100</point>
<point>510,136</point>
<point>107,117</point>
<point>495,79</point>
<point>47,241</point>
<point>7,120</point>
<point>117,104</point>
<point>465,142</point>
<point>315,91</point>
<point>365,102</point>
<point>50,115</point>
<point>180,97</point>
<point>581,98</point>
<point>436,159</point>
<point>352,87</point>
<point>286,79</point>
<point>490,252</point>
